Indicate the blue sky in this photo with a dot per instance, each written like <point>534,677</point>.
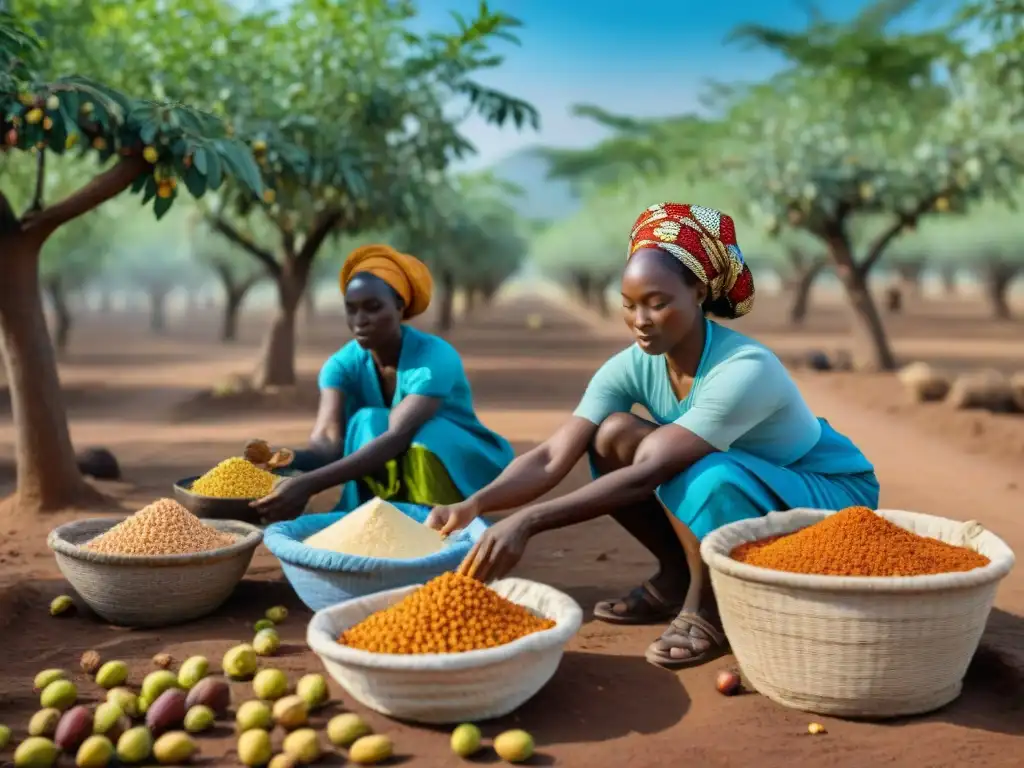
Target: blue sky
<point>628,56</point>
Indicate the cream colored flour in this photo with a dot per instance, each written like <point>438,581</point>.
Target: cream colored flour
<point>378,529</point>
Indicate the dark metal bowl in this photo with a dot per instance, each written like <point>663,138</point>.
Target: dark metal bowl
<point>213,508</point>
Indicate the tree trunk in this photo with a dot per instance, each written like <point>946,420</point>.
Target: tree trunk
<point>909,273</point>
<point>276,367</point>
<point>600,297</point>
<point>446,313</point>
<point>948,276</point>
<point>48,476</point>
<point>309,304</point>
<point>801,285</point>
<point>584,289</point>
<point>998,276</point>
<point>61,312</point>
<point>158,308</point>
<point>471,294</point>
<point>487,294</point>
<point>867,322</point>
<point>229,324</point>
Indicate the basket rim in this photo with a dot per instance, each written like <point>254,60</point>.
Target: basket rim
<point>288,549</point>
<point>716,557</point>
<point>326,646</point>
<point>249,535</point>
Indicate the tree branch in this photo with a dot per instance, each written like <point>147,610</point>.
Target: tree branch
<point>903,220</point>
<point>265,257</point>
<point>322,227</point>
<point>37,198</point>
<point>103,187</point>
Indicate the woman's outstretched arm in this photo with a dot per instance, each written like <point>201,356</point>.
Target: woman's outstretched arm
<point>537,471</point>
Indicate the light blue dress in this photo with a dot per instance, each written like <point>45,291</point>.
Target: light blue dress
<point>454,443</point>
<point>773,453</point>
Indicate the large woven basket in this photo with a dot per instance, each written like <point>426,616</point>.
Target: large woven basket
<point>447,687</point>
<point>144,591</point>
<point>854,646</point>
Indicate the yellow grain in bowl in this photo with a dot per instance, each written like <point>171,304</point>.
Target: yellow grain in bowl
<point>162,528</point>
<point>378,529</point>
<point>235,478</point>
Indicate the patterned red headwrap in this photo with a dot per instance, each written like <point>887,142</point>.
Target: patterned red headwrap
<point>704,240</point>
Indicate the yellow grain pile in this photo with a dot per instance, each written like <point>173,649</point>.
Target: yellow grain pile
<point>235,478</point>
<point>378,529</point>
<point>448,614</point>
<point>163,528</point>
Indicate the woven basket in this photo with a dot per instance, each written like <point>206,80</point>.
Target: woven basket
<point>143,591</point>
<point>444,688</point>
<point>854,646</point>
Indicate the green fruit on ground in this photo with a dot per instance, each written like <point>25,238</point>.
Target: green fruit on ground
<point>44,723</point>
<point>313,688</point>
<point>270,684</point>
<point>266,643</point>
<point>155,683</point>
<point>62,603</point>
<point>466,740</point>
<point>291,712</point>
<point>48,676</point>
<point>514,746</point>
<point>199,719</point>
<point>252,715</point>
<point>36,752</point>
<point>277,614</point>
<point>126,699</point>
<point>174,748</point>
<point>108,716</point>
<point>95,752</point>
<point>60,694</point>
<point>370,750</point>
<point>303,745</point>
<point>192,670</point>
<point>344,729</point>
<point>282,761</point>
<point>254,747</point>
<point>135,745</point>
<point>112,674</point>
<point>240,662</point>
<point>262,624</point>
<point>5,737</point>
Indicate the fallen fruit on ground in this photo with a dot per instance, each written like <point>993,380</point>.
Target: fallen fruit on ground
<point>95,752</point>
<point>192,670</point>
<point>303,745</point>
<point>291,712</point>
<point>277,614</point>
<point>728,682</point>
<point>166,713</point>
<point>74,727</point>
<point>163,660</point>
<point>282,761</point>
<point>35,752</point>
<point>174,748</point>
<point>262,624</point>
<point>252,715</point>
<point>313,688</point>
<point>266,643</point>
<point>46,677</point>
<point>126,699</point>
<point>90,662</point>
<point>371,749</point>
<point>254,747</point>
<point>199,719</point>
<point>112,674</point>
<point>816,728</point>
<point>240,662</point>
<point>270,684</point>
<point>44,723</point>
<point>466,740</point>
<point>212,692</point>
<point>109,721</point>
<point>5,737</point>
<point>60,694</point>
<point>135,745</point>
<point>155,683</point>
<point>344,729</point>
<point>515,746</point>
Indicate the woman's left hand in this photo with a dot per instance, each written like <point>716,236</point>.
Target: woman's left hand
<point>287,501</point>
<point>498,551</point>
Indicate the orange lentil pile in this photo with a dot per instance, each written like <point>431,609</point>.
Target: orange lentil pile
<point>448,614</point>
<point>857,542</point>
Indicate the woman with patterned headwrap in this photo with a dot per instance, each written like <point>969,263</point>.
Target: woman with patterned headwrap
<point>730,436</point>
<point>396,416</point>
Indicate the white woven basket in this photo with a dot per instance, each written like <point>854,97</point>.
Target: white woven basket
<point>854,646</point>
<point>152,591</point>
<point>450,687</point>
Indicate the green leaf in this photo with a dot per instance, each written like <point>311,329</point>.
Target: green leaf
<point>195,182</point>
<point>199,160</point>
<point>162,206</point>
<point>151,187</point>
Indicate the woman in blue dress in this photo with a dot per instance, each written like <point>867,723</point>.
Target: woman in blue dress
<point>729,437</point>
<point>396,416</point>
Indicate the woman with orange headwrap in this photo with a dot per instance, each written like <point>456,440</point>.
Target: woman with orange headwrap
<point>730,436</point>
<point>396,416</point>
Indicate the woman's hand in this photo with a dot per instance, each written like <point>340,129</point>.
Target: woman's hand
<point>287,501</point>
<point>499,550</point>
<point>451,517</point>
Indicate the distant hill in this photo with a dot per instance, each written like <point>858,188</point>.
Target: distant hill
<point>542,198</point>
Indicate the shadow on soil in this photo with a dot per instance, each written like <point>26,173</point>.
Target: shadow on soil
<point>98,401</point>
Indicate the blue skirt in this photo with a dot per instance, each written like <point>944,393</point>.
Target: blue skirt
<point>734,485</point>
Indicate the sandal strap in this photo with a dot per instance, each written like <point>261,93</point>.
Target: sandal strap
<point>653,596</point>
<point>683,620</point>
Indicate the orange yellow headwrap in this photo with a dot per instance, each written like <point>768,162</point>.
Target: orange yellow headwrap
<point>409,276</point>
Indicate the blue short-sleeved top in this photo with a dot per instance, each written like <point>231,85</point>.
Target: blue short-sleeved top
<point>742,397</point>
<point>427,366</point>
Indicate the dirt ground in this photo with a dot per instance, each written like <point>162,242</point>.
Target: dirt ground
<point>140,396</point>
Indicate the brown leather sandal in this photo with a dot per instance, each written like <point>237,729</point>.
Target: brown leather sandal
<point>689,632</point>
<point>644,605</point>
